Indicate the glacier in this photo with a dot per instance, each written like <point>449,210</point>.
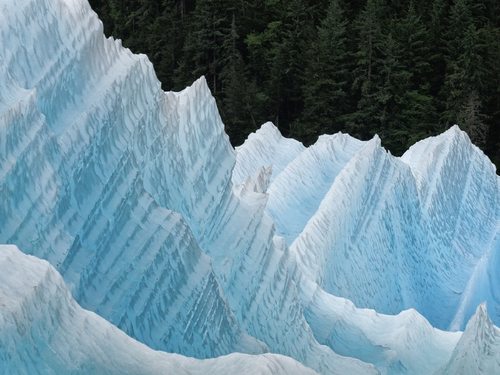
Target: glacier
<point>338,257</point>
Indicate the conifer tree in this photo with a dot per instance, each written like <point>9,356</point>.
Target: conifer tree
<point>470,115</point>
<point>437,51</point>
<point>326,78</point>
<point>239,100</point>
<point>362,122</point>
<point>414,115</point>
<point>490,55</point>
<point>288,62</point>
<point>164,38</point>
<point>202,52</point>
<point>463,84</point>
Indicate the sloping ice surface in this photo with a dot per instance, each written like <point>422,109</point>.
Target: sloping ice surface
<point>478,350</point>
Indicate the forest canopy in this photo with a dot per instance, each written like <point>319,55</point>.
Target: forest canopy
<point>403,70</point>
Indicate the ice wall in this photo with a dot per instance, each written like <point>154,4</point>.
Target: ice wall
<point>364,240</point>
<point>136,197</point>
<point>83,124</point>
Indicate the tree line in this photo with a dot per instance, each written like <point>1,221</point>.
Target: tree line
<point>404,70</point>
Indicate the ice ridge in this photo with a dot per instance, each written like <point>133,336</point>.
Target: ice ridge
<point>263,148</point>
<point>44,331</point>
<point>395,233</point>
<point>478,350</point>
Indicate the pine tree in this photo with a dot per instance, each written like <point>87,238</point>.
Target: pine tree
<point>460,19</point>
<point>386,95</point>
<point>471,119</point>
<point>239,95</point>
<point>464,81</point>
<point>491,89</point>
<point>470,116</point>
<point>367,80</point>
<point>202,52</point>
<point>164,37</point>
<point>288,63</point>
<point>436,43</point>
<point>413,114</point>
<point>326,79</point>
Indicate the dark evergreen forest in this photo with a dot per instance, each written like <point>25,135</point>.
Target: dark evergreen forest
<point>404,70</point>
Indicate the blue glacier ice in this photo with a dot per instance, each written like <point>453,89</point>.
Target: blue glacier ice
<point>126,190</point>
<point>339,255</point>
<point>273,149</point>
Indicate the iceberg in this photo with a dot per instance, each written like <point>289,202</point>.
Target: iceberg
<point>126,190</point>
<point>337,258</point>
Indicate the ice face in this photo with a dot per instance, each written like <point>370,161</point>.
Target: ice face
<point>305,181</point>
<point>360,238</point>
<point>84,133</point>
<point>459,195</point>
<point>125,189</point>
